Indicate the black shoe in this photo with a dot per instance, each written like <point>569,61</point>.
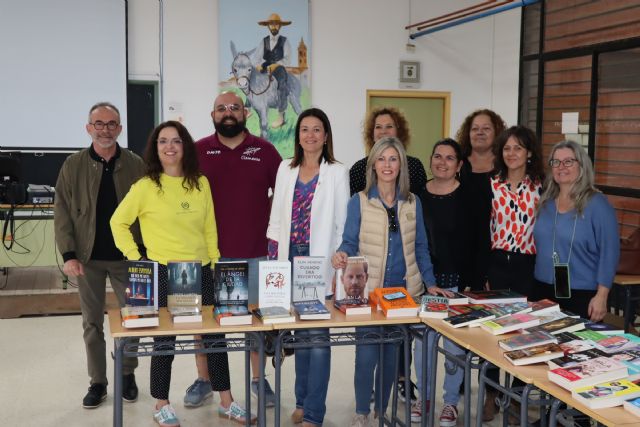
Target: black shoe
<point>129,388</point>
<point>401,391</point>
<point>96,395</point>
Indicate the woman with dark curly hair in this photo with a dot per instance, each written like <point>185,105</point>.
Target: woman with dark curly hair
<point>476,137</point>
<point>515,192</point>
<point>384,122</point>
<point>174,207</point>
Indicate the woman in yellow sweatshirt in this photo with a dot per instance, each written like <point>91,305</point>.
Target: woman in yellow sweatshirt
<point>173,205</point>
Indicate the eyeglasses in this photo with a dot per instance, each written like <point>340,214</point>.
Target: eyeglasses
<point>234,108</point>
<point>567,163</point>
<point>112,125</point>
<point>391,216</point>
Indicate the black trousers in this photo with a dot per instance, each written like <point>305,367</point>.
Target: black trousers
<point>578,303</point>
<point>217,363</point>
<point>510,270</point>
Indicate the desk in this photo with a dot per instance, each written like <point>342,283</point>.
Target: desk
<point>398,334</point>
<point>628,283</point>
<point>252,341</point>
<point>33,237</point>
<point>486,346</point>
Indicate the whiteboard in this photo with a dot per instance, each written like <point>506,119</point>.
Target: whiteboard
<point>57,59</point>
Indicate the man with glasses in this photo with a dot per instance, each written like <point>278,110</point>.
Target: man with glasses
<point>241,169</point>
<point>90,185</point>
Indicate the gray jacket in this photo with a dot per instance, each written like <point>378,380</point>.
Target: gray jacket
<point>76,197</point>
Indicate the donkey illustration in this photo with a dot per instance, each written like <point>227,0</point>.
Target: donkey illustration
<point>261,89</point>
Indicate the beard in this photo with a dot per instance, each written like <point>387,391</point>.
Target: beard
<point>229,130</point>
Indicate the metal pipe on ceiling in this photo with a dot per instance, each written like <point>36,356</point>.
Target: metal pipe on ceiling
<point>417,24</point>
<point>482,9</point>
<point>493,11</point>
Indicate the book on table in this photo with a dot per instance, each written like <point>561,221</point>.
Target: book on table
<point>587,373</point>
<point>434,307</point>
<point>631,359</point>
<point>184,297</point>
<point>543,306</point>
<point>311,310</point>
<point>141,295</point>
<point>275,314</point>
<point>503,310</point>
<point>510,323</point>
<point>607,394</point>
<point>456,299</point>
<point>531,355</point>
<point>523,341</point>
<point>603,328</point>
<point>576,345</point>
<point>571,359</point>
<point>616,343</point>
<point>310,278</point>
<point>274,296</point>
<point>352,295</point>
<point>231,291</point>
<point>633,406</point>
<point>494,296</point>
<point>469,319</point>
<point>468,308</point>
<point>395,302</point>
<point>565,324</point>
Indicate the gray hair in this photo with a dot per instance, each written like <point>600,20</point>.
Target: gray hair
<point>402,181</point>
<point>104,105</point>
<point>583,188</point>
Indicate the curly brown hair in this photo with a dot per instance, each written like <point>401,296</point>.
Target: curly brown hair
<point>190,166</point>
<point>463,133</point>
<point>402,126</point>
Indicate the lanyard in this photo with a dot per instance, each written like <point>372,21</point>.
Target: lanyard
<point>555,256</point>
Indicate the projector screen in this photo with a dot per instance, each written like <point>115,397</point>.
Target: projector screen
<point>58,59</point>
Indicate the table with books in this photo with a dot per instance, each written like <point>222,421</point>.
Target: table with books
<point>137,342</point>
<point>588,366</point>
<point>391,330</point>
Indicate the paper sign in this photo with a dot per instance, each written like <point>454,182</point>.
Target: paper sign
<point>569,123</point>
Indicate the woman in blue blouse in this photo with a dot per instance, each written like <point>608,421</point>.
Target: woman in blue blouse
<point>577,226</point>
<point>398,255</point>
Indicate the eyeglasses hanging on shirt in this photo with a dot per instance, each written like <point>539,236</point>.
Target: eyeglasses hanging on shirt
<point>391,216</point>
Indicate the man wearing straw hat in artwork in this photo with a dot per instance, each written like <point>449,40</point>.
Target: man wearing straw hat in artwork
<point>271,56</point>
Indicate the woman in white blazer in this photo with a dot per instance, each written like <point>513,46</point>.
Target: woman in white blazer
<point>307,217</point>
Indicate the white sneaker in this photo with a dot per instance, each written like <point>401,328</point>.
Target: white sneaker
<point>360,420</point>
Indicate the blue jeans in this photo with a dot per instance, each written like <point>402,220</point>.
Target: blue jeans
<point>254,290</point>
<point>454,374</point>
<point>365,371</point>
<point>313,366</point>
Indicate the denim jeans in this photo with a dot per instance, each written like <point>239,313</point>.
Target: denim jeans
<point>454,374</point>
<point>313,366</point>
<point>367,368</point>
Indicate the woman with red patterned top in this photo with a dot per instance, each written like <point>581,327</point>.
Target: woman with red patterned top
<point>516,189</point>
<point>515,186</point>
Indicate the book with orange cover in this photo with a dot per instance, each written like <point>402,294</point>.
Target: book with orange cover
<point>395,302</point>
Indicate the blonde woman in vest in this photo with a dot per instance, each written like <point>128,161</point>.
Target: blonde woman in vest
<point>307,217</point>
<point>397,256</point>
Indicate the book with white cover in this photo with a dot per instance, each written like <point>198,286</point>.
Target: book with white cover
<point>310,278</point>
<point>274,280</point>
<point>590,372</point>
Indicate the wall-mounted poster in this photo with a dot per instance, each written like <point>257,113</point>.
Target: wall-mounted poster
<point>264,56</point>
